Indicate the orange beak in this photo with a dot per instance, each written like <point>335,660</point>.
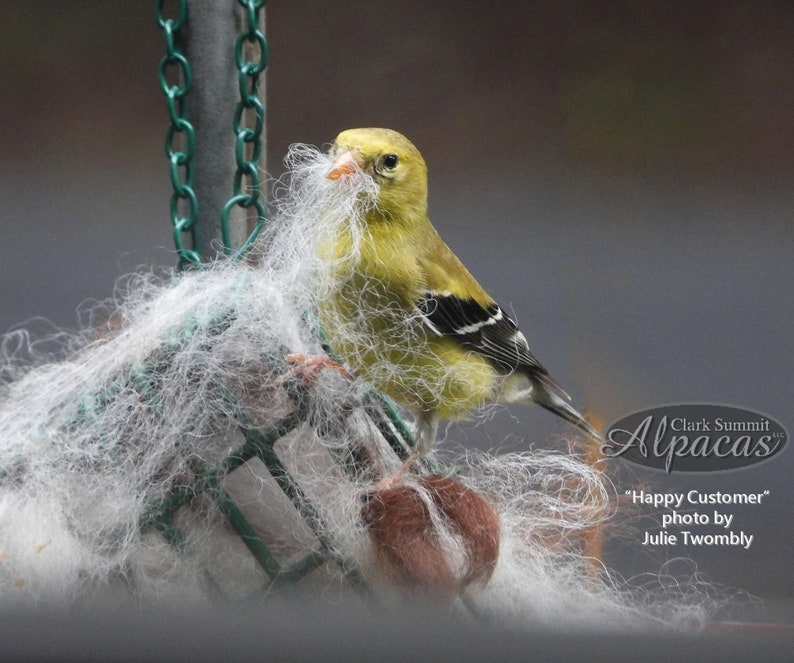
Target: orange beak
<point>345,165</point>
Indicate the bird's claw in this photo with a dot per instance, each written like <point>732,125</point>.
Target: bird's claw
<point>307,367</point>
<point>390,481</point>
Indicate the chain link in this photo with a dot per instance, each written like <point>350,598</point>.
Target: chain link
<point>180,140</point>
<point>172,66</point>
<point>248,124</point>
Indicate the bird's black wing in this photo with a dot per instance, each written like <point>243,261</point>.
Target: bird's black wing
<point>486,330</point>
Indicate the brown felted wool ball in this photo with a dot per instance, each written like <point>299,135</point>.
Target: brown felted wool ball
<point>436,536</point>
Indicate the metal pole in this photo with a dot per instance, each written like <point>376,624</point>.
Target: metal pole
<point>213,26</point>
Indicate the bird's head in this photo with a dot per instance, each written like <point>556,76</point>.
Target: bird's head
<point>392,161</point>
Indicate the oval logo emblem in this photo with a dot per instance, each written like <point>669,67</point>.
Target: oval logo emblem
<point>695,437</point>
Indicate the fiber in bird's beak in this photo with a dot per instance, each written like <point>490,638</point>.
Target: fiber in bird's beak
<point>317,213</point>
<point>345,165</point>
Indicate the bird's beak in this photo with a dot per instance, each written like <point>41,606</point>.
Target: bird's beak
<point>345,164</point>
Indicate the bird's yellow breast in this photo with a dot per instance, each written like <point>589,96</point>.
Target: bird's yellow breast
<point>373,324</point>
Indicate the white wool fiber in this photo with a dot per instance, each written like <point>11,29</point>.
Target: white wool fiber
<point>99,425</point>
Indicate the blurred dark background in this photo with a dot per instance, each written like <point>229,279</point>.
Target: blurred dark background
<point>618,174</point>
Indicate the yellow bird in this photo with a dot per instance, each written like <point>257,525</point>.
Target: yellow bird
<point>407,315</point>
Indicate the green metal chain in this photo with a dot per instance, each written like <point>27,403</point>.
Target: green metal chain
<point>175,65</point>
<point>249,121</point>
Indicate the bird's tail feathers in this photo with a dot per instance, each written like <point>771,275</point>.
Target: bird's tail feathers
<point>549,383</point>
<point>549,400</point>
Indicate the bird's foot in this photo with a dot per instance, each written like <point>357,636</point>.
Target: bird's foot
<point>393,479</point>
<point>307,367</point>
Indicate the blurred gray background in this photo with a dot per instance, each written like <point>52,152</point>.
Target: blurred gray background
<point>618,174</point>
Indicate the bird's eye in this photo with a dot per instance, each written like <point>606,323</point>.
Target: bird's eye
<point>390,161</point>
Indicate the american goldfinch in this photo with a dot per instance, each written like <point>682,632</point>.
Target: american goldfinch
<point>407,315</point>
